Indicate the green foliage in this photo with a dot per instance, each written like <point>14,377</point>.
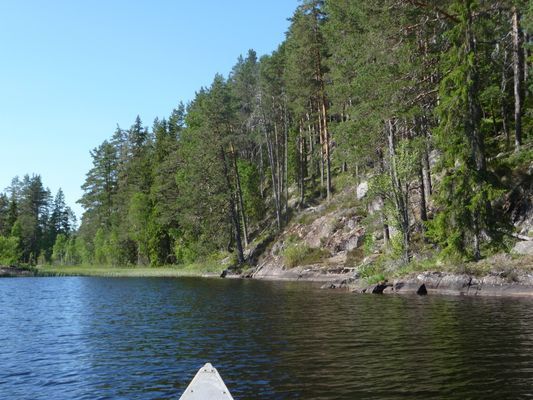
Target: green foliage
<point>32,218</point>
<point>187,252</point>
<point>466,192</point>
<point>9,250</point>
<point>139,222</point>
<point>380,83</point>
<point>100,248</point>
<point>253,203</point>
<point>396,246</point>
<point>372,273</point>
<point>374,279</point>
<point>468,212</point>
<point>296,254</point>
<point>60,249</point>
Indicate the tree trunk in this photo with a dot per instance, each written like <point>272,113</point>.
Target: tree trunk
<point>423,207</point>
<point>322,110</point>
<point>518,72</point>
<point>279,172</point>
<point>315,168</point>
<point>261,173</point>
<point>477,252</point>
<point>472,129</point>
<point>428,186</point>
<point>275,186</point>
<point>303,158</point>
<point>239,197</point>
<point>400,193</point>
<point>326,145</point>
<point>386,232</point>
<point>286,161</point>
<point>503,90</point>
<point>233,214</point>
<point>321,158</point>
<point>526,55</point>
<point>426,168</point>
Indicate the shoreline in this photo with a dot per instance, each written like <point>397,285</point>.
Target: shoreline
<point>424,284</point>
<point>445,284</point>
<point>504,281</point>
<point>11,271</point>
<point>429,283</point>
<point>503,278</point>
<point>510,284</point>
<point>105,272</point>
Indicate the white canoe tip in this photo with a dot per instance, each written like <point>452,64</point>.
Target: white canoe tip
<point>207,385</point>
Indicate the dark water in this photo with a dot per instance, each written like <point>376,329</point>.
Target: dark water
<point>91,338</point>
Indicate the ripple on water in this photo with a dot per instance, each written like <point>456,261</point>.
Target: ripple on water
<point>92,338</point>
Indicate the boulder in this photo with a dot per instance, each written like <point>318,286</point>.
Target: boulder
<point>524,248</point>
<point>376,288</point>
<point>406,287</point>
<point>353,243</point>
<point>430,279</point>
<point>422,291</point>
<point>362,190</point>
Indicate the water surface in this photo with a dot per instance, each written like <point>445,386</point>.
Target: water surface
<point>129,338</point>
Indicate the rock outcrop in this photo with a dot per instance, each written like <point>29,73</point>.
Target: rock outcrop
<point>337,233</point>
<point>508,284</point>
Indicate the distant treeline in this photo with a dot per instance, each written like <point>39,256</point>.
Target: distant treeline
<point>34,226</point>
<point>430,99</point>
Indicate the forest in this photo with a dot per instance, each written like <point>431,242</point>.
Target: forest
<point>429,101</point>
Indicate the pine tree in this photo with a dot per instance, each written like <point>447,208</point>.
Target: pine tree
<point>465,192</point>
<point>5,227</point>
<point>305,77</point>
<point>100,188</point>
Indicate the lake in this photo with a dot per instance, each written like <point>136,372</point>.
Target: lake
<point>145,338</point>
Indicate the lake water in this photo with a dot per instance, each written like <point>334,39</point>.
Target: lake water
<point>114,338</point>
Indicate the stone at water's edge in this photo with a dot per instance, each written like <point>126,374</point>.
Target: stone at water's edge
<point>422,291</point>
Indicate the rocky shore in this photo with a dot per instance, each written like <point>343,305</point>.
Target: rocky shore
<point>442,283</point>
<point>508,281</point>
<point>13,272</point>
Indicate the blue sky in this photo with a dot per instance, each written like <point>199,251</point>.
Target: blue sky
<point>70,71</point>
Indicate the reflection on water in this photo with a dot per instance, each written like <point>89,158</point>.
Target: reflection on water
<point>89,338</point>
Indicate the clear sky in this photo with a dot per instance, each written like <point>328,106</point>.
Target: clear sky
<point>70,71</point>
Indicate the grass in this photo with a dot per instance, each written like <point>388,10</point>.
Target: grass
<point>131,271</point>
<point>299,254</point>
<point>375,279</point>
<point>503,264</point>
<point>306,218</point>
